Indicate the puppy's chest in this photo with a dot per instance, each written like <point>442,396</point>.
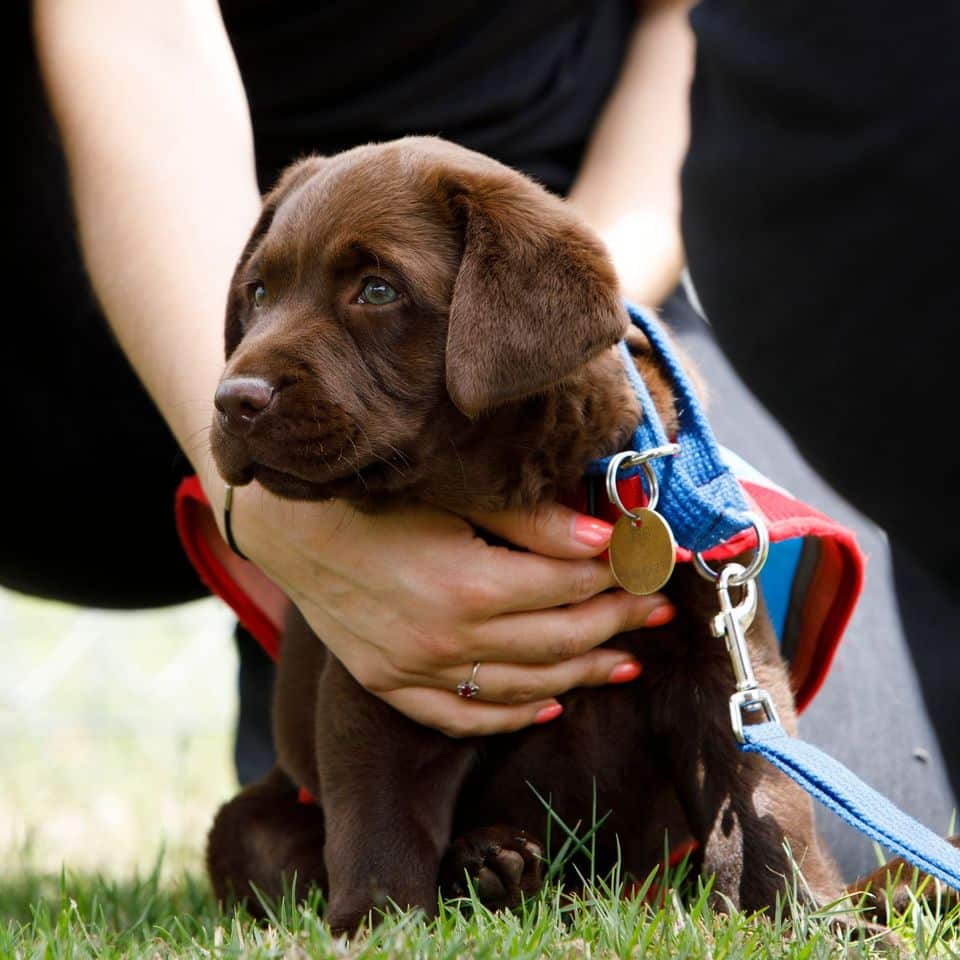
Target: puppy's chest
<point>685,671</point>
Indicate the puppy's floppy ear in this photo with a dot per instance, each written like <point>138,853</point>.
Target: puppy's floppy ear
<point>536,295</point>
<point>293,177</point>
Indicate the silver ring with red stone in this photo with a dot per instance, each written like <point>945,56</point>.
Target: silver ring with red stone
<point>468,688</point>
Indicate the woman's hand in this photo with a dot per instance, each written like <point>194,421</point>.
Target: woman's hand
<point>407,600</point>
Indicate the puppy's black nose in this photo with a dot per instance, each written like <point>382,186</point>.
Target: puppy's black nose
<point>241,400</point>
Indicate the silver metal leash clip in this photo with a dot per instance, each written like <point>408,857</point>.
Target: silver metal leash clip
<point>731,623</point>
<point>752,700</point>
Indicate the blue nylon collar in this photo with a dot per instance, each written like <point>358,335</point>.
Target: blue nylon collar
<point>699,495</point>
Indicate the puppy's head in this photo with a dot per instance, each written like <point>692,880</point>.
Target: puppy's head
<point>392,297</point>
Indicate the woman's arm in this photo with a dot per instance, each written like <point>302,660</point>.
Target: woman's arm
<point>157,135</point>
<point>155,126</point>
<point>629,184</point>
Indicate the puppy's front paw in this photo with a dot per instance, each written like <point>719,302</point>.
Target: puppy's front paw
<point>504,864</point>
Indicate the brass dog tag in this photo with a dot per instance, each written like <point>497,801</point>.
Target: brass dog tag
<point>642,552</point>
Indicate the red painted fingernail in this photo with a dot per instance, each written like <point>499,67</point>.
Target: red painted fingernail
<point>591,531</point>
<point>548,713</point>
<point>661,615</point>
<point>625,672</point>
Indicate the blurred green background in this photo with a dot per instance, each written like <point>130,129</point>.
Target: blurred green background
<point>116,734</point>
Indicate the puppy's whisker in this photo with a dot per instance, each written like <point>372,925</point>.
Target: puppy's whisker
<point>463,469</point>
<point>356,463</point>
<point>345,518</point>
<point>385,460</point>
<point>200,430</point>
<point>194,402</point>
<point>397,452</point>
<point>323,431</point>
<point>201,446</point>
<point>393,466</point>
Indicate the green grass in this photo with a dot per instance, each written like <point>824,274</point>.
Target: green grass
<point>108,754</point>
<point>78,916</point>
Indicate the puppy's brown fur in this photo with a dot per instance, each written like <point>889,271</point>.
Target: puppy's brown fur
<point>491,382</point>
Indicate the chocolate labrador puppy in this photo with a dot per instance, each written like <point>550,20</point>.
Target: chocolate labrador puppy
<point>414,321</point>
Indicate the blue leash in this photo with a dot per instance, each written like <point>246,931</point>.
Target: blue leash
<point>854,801</point>
<point>701,500</point>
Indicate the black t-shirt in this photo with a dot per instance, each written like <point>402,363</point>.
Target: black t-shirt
<point>522,82</point>
<point>820,221</point>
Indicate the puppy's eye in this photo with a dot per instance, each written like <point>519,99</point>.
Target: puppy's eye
<point>377,291</point>
<point>259,295</point>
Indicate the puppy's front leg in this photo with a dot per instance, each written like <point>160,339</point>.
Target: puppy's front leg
<point>388,787</point>
<point>744,812</point>
<point>741,809</point>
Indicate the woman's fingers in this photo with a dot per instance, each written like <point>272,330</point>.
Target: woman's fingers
<point>456,717</point>
<point>549,529</point>
<point>512,581</point>
<point>547,636</point>
<point>510,683</point>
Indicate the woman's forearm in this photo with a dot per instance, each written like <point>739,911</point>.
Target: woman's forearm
<point>156,131</point>
<point>629,185</point>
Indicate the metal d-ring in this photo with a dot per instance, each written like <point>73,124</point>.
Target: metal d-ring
<point>755,565</point>
<point>631,458</point>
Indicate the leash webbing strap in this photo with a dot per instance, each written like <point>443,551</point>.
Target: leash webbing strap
<point>852,800</point>
<point>699,495</point>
